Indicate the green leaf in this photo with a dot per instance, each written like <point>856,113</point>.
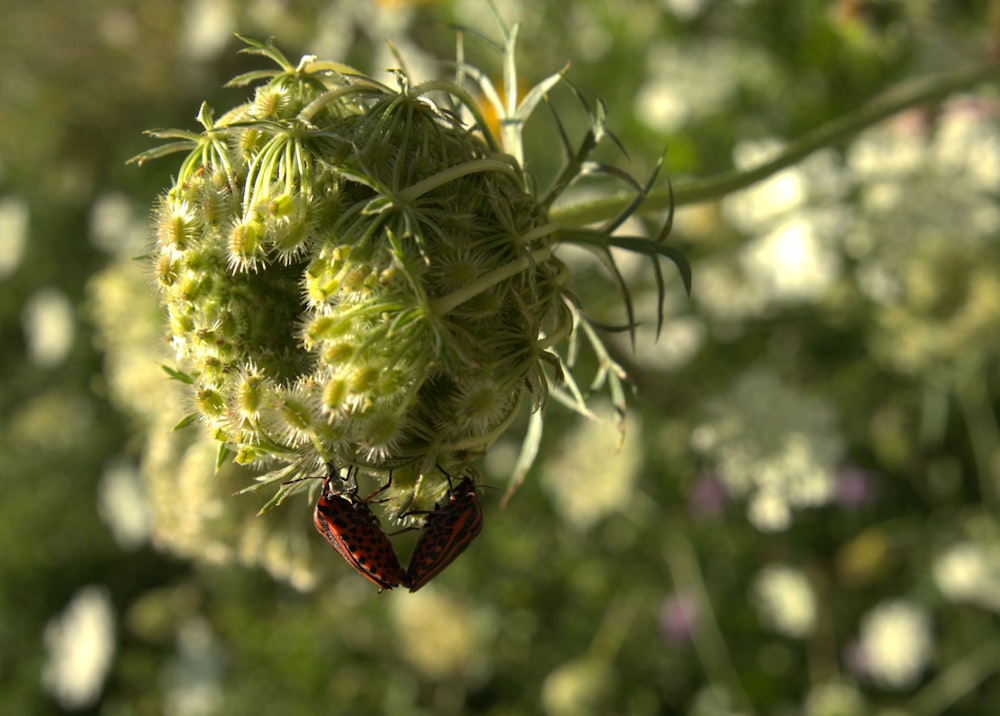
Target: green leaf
<point>185,421</point>
<point>221,456</point>
<point>177,374</point>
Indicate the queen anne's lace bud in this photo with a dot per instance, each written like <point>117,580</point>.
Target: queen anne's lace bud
<point>351,276</point>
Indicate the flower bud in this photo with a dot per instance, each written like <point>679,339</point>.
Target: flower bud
<point>353,276</point>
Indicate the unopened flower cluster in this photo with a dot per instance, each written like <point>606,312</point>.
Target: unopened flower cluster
<point>351,275</point>
<point>362,275</point>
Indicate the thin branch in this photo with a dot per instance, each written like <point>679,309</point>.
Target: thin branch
<point>905,96</point>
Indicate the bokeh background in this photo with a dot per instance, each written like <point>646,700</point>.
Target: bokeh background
<point>803,518</point>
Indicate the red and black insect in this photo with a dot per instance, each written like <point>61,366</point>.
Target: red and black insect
<point>353,530</point>
<point>447,532</point>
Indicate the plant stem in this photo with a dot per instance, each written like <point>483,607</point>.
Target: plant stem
<point>443,305</point>
<point>415,191</point>
<point>710,645</point>
<point>955,682</point>
<point>692,191</point>
<point>973,397</point>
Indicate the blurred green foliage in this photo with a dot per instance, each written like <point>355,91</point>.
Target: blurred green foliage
<point>803,519</point>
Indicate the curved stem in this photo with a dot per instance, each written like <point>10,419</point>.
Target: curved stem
<point>555,338</point>
<point>442,306</point>
<point>708,641</point>
<point>487,439</point>
<point>310,110</point>
<point>905,96</point>
<point>955,682</point>
<point>415,191</point>
<point>972,394</point>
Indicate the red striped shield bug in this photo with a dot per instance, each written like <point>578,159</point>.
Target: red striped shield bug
<point>353,530</point>
<point>448,529</point>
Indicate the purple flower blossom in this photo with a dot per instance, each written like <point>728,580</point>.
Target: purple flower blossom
<point>678,618</point>
<point>707,497</point>
<point>855,488</point>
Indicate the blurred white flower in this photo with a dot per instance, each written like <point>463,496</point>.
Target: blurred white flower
<point>578,688</point>
<point>769,511</point>
<point>687,81</point>
<point>968,572</point>
<point>121,502</point>
<point>895,644</point>
<point>796,221</point>
<point>889,150</point>
<point>835,698</point>
<point>773,446</point>
<point>14,224</point>
<point>785,601</point>
<point>680,338</point>
<point>726,293</point>
<point>49,326</point>
<point>967,143</point>
<point>818,179</point>
<point>441,636</point>
<point>80,643</point>
<point>590,477</point>
<point>194,678</point>
<point>117,227</point>
<point>791,262</point>
<point>208,25</point>
<point>753,208</point>
<point>684,9</point>
<point>925,242</point>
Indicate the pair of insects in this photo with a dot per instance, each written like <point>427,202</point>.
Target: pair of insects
<point>349,525</point>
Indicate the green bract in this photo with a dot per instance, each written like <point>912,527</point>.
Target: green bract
<point>352,275</point>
